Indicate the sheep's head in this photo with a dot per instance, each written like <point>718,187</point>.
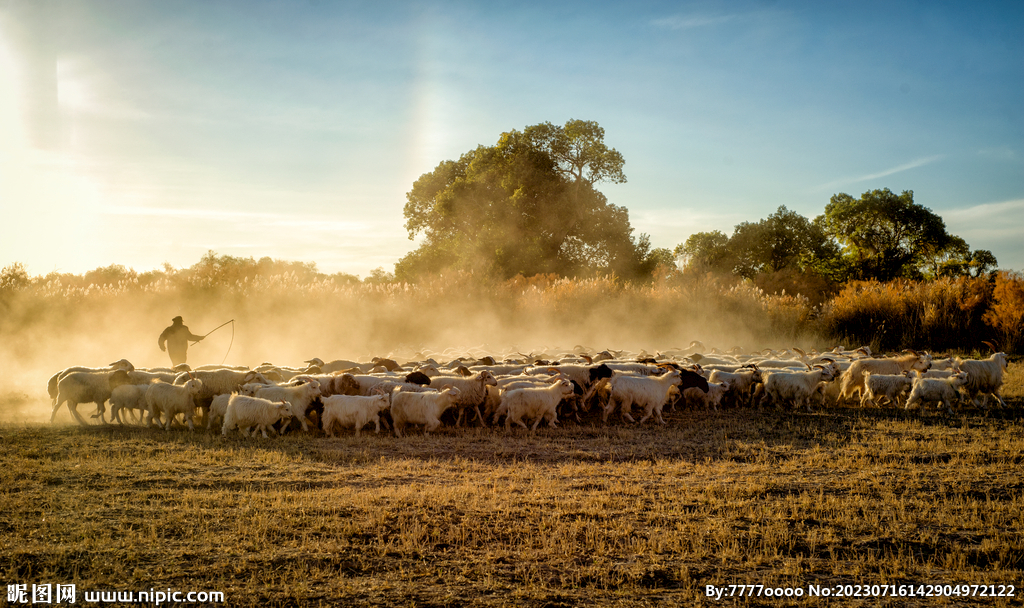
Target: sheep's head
<point>194,386</point>
<point>315,361</point>
<point>123,364</point>
<point>488,378</point>
<point>452,392</point>
<point>283,409</point>
<point>690,379</point>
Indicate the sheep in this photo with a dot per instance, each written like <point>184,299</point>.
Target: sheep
<point>219,382</point>
<point>537,403</point>
<point>985,377</point>
<point>219,408</point>
<point>51,384</point>
<point>648,392</point>
<point>584,375</point>
<point>243,412</point>
<point>421,408</point>
<point>853,378</point>
<point>797,387</point>
<point>472,391</point>
<point>84,387</point>
<point>943,390</point>
<point>891,387</point>
<point>171,400</point>
<point>300,397</point>
<point>287,373</point>
<point>741,383</point>
<point>127,396</point>
<point>332,384</point>
<point>354,411</point>
<point>711,399</point>
<point>337,365</point>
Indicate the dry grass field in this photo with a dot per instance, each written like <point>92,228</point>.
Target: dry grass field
<point>577,516</point>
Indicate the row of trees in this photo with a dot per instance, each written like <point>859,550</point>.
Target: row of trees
<point>530,205</point>
<point>880,236</point>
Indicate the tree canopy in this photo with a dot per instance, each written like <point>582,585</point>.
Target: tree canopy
<point>783,240</point>
<point>881,236</point>
<point>526,205</point>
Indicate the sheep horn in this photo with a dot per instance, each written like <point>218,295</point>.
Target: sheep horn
<point>990,345</point>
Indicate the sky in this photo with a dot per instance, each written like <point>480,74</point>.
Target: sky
<point>144,132</point>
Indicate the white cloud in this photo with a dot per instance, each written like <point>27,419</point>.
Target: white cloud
<point>914,164</point>
<point>993,226</point>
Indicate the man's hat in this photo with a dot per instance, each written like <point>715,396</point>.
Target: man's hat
<point>176,319</point>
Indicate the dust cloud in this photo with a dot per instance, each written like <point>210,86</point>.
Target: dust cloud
<point>286,322</point>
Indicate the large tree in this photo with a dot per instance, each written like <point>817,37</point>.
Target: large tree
<point>526,205</point>
<point>885,235</point>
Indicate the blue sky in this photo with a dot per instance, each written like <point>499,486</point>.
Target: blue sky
<point>145,132</point>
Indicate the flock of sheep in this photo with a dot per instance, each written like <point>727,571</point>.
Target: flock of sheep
<point>520,388</point>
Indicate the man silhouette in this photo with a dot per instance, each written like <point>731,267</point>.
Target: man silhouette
<point>177,336</point>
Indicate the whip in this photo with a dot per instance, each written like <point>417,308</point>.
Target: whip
<point>232,322</point>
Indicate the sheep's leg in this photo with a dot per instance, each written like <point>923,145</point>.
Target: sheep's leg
<point>648,412</point>
<point>608,409</point>
<point>657,413</point>
<point>537,422</point>
<point>483,422</point>
<point>74,412</point>
<point>56,407</point>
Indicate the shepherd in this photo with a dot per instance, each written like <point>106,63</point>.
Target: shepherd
<point>177,337</point>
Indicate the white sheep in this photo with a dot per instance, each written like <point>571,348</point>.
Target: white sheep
<point>171,400</point>
<point>244,412</point>
<point>710,399</point>
<point>943,390</point>
<point>353,411</point>
<point>300,397</point>
<point>83,387</point>
<point>853,378</point>
<point>537,403</point>
<point>888,386</point>
<point>794,387</point>
<point>219,407</point>
<point>741,383</point>
<point>421,408</point>
<point>51,384</point>
<point>985,377</point>
<point>128,396</point>
<point>219,382</point>
<point>472,391</point>
<point>648,392</point>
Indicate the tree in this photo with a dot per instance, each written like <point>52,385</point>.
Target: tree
<point>705,250</point>
<point>526,205</point>
<point>885,236</point>
<point>783,240</point>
